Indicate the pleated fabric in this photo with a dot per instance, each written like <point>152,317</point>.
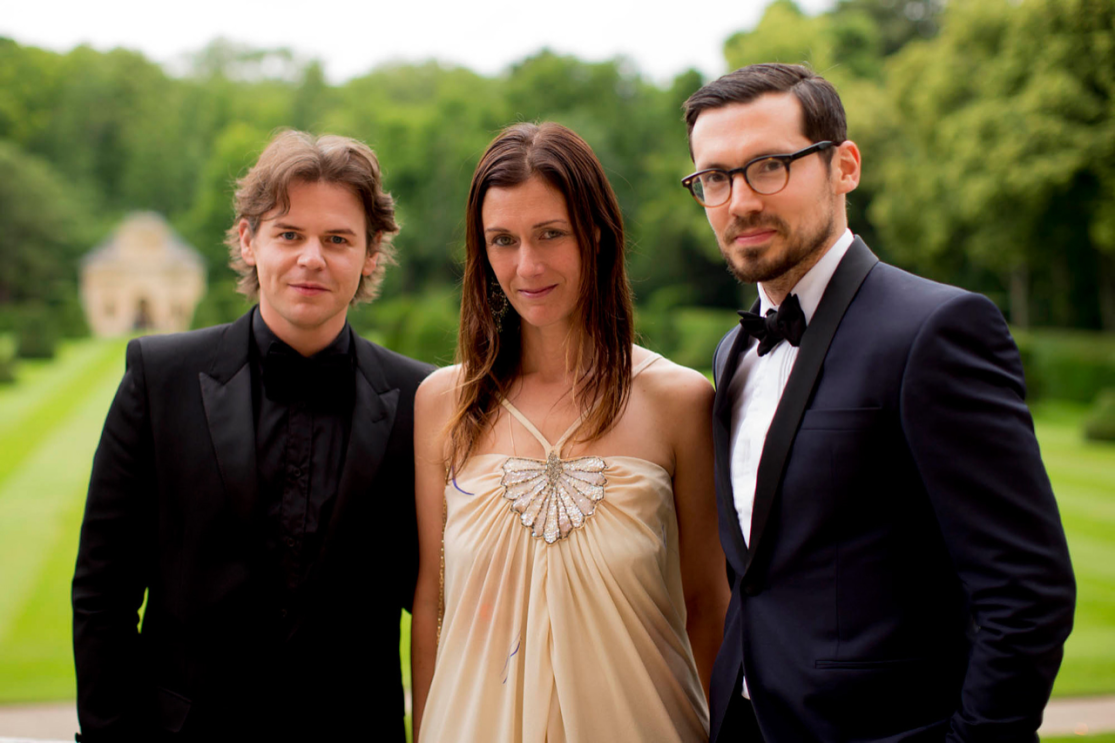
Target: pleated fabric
<point>579,640</point>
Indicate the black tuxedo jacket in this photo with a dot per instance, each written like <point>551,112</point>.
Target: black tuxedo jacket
<point>907,577</point>
<point>173,511</point>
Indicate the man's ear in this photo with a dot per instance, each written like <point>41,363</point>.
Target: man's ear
<point>371,260</point>
<point>846,167</point>
<point>246,251</point>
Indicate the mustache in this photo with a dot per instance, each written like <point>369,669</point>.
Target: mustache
<point>739,225</point>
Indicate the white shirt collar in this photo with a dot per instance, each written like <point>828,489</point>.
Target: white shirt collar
<point>811,287</point>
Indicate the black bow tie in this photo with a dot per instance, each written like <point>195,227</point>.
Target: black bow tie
<point>325,382</point>
<point>788,324</point>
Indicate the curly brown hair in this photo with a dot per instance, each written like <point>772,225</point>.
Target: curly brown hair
<point>298,156</point>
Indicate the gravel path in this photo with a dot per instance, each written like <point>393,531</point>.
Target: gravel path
<point>58,722</point>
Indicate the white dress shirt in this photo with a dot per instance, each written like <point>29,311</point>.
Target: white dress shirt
<point>757,386</point>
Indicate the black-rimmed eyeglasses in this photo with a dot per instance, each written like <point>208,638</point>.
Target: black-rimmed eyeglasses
<point>765,175</point>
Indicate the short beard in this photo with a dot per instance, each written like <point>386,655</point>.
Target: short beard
<point>798,247</point>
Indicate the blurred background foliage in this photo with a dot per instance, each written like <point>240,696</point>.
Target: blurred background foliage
<point>987,129</point>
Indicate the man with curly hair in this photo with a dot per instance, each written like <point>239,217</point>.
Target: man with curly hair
<point>254,482</point>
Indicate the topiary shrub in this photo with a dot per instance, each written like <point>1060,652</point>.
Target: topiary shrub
<point>1100,424</point>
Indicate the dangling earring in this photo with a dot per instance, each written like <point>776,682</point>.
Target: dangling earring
<point>497,301</point>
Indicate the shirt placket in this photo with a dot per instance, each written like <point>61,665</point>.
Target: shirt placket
<point>296,482</point>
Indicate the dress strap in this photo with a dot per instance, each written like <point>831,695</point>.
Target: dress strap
<point>538,434</point>
<point>527,424</point>
<point>576,424</point>
<point>644,364</point>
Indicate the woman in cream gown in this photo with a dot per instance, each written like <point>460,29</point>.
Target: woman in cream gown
<point>571,585</point>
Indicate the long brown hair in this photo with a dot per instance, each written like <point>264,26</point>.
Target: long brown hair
<point>489,351</point>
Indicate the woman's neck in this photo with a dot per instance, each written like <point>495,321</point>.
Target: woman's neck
<point>551,354</point>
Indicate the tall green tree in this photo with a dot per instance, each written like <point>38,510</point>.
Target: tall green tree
<point>1007,160</point>
<point>45,226</point>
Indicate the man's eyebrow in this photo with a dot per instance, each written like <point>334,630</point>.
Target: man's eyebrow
<point>773,152</point>
<point>293,227</point>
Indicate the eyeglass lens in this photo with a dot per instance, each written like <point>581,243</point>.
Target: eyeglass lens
<point>766,176</point>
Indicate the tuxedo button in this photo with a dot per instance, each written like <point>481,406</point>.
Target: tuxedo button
<point>751,589</point>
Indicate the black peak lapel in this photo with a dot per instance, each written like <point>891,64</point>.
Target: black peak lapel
<point>842,288</point>
<point>725,363</point>
<point>724,367</point>
<point>373,417</point>
<point>231,352</point>
<point>226,393</point>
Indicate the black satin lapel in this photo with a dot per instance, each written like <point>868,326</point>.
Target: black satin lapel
<point>373,416</point>
<point>722,442</point>
<point>228,410</point>
<point>721,404</point>
<point>842,288</point>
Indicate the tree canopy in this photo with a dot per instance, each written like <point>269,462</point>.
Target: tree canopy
<point>987,132</point>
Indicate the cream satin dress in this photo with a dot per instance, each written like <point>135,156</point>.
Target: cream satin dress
<point>564,612</point>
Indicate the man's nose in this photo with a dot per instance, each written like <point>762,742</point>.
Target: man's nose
<point>743,200</point>
<point>312,254</point>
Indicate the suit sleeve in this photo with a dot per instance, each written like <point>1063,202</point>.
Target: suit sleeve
<point>113,558</point>
<point>973,443</point>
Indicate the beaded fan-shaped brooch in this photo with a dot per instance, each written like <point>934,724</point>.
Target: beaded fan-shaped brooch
<point>553,496</point>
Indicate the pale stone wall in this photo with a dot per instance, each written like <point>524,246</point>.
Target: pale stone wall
<point>144,278</point>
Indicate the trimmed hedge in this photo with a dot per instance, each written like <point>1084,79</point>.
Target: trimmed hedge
<point>1072,365</point>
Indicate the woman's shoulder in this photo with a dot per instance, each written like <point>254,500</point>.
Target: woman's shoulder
<point>437,391</point>
<point>670,383</point>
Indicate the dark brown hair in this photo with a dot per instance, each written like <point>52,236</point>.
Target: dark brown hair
<point>489,352</point>
<point>822,112</point>
<point>297,156</point>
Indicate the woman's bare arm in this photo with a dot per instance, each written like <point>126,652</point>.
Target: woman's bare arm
<point>688,407</point>
<point>433,405</point>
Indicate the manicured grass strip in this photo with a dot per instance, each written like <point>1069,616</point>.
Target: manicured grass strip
<point>37,654</point>
<point>39,379</point>
<point>35,405</point>
<point>1083,477</point>
<point>40,514</point>
<point>1101,738</point>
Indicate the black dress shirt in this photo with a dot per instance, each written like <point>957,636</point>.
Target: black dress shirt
<point>300,451</point>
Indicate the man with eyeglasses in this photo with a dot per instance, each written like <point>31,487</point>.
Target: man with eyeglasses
<point>898,567</point>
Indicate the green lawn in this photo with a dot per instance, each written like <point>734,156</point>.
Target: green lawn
<point>1083,476</point>
<point>49,426</point>
<point>51,419</point>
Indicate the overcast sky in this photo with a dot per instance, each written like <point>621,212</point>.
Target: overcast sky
<point>351,37</point>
